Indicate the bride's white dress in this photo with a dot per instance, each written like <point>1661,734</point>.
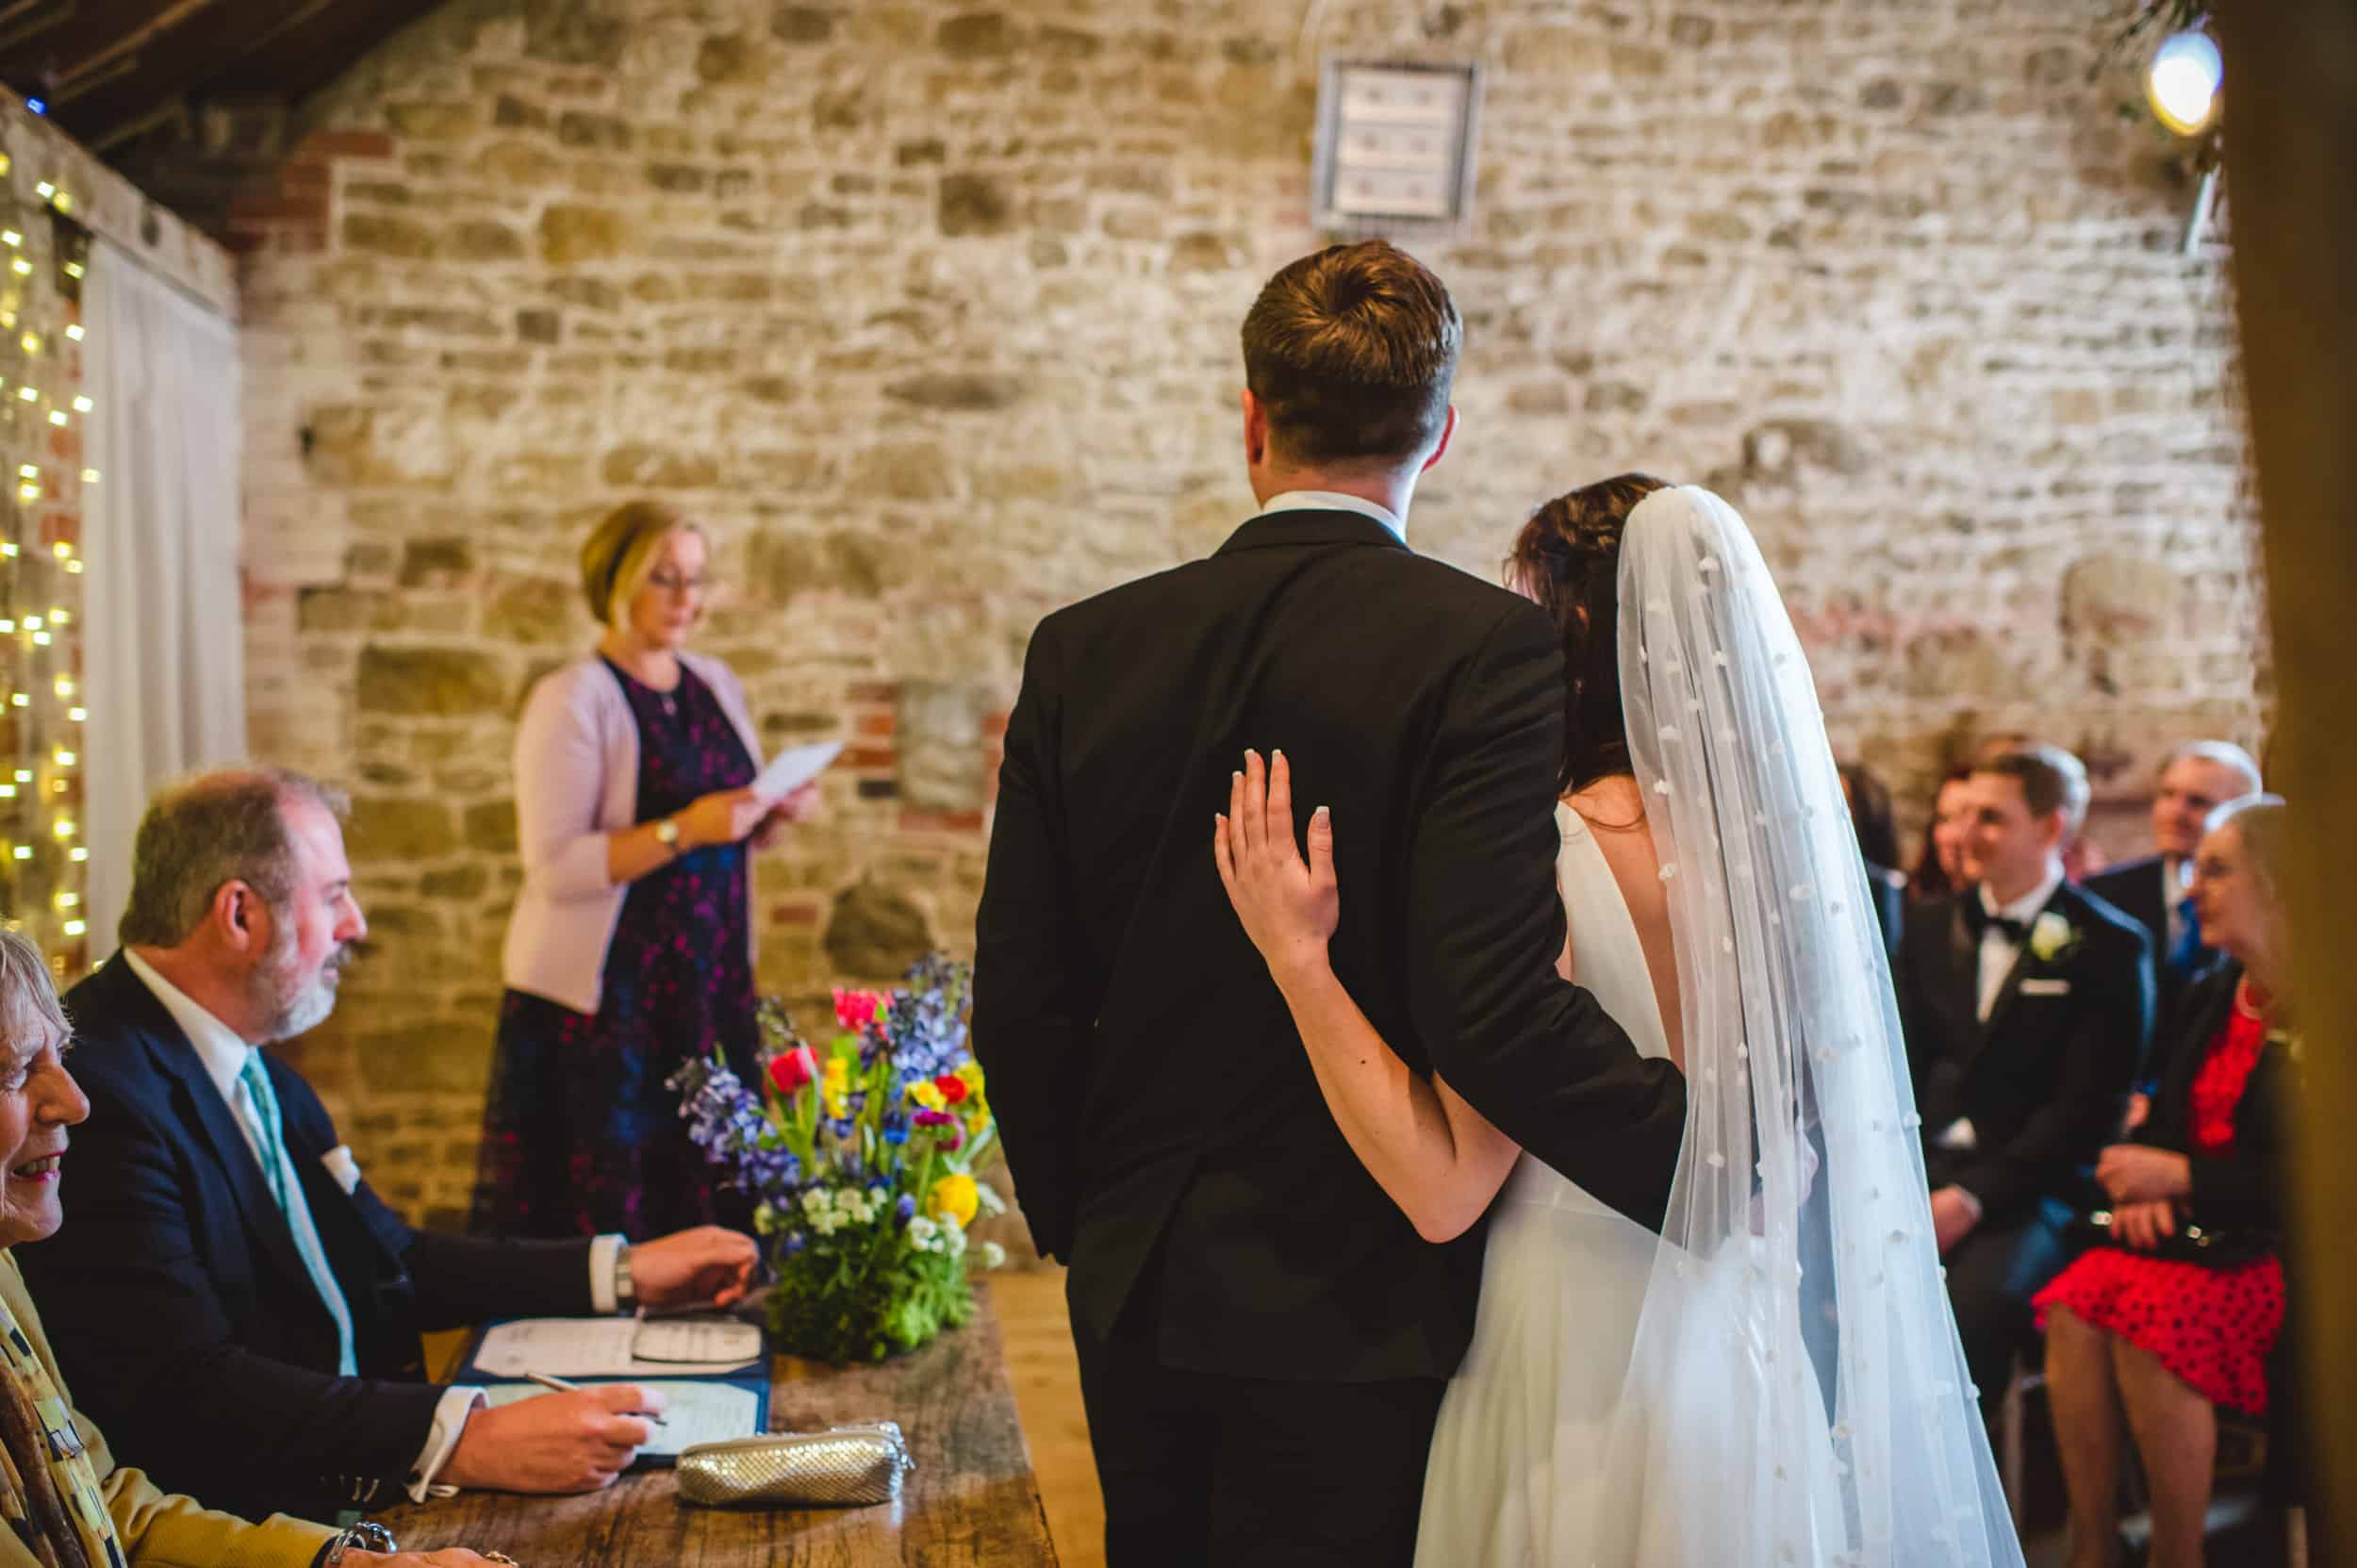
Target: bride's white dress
<point>1524,1472</point>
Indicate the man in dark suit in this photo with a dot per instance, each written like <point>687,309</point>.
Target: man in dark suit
<point>2027,1006</point>
<point>2201,776</point>
<point>232,1301</point>
<point>1263,1337</point>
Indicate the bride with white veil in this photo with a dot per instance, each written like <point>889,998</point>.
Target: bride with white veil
<point>1777,1378</point>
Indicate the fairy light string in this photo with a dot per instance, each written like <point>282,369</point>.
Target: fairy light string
<point>43,415</point>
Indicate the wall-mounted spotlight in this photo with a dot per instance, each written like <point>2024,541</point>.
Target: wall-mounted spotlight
<point>2182,82</point>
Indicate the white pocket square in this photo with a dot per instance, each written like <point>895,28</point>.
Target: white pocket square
<point>343,1167</point>
<point>2046,987</point>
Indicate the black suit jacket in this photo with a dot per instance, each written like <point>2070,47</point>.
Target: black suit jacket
<point>2044,1080</point>
<point>180,1309</point>
<point>1146,1076</point>
<point>2133,887</point>
<point>2244,1187</point>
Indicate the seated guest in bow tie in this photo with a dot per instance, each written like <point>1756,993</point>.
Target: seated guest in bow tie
<point>2152,1328</point>
<point>2156,890</point>
<point>65,1500</point>
<point>233,1301</point>
<point>2027,1006</point>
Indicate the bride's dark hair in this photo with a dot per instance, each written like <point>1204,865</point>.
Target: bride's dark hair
<point>1568,558</point>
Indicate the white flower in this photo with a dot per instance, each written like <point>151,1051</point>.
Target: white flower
<point>922,1233</point>
<point>993,1256</point>
<point>991,1202</point>
<point>815,1201</point>
<point>2052,934</point>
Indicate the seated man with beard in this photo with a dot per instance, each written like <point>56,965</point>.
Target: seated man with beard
<point>232,1302</point>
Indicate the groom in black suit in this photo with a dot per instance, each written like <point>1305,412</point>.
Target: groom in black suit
<point>1263,1336</point>
<point>2027,1006</point>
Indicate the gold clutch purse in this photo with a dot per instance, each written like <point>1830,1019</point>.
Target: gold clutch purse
<point>839,1467</point>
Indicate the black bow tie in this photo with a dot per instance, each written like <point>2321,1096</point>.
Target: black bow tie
<point>1977,917</point>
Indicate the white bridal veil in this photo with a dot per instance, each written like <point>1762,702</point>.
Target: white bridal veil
<point>1798,1249</point>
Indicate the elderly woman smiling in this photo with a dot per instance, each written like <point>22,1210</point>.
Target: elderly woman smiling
<point>65,1502</point>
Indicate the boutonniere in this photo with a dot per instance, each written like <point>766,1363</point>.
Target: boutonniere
<point>2053,937</point>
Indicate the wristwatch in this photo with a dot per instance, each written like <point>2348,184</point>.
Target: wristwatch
<point>365,1535</point>
<point>667,833</point>
<point>625,1289</point>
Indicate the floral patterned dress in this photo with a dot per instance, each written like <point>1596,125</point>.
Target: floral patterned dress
<point>581,1135</point>
<point>2211,1326</point>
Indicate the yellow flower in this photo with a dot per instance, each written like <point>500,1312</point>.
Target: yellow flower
<point>927,1094</point>
<point>971,1071</point>
<point>954,1197</point>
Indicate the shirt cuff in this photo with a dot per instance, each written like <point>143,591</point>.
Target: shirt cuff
<point>604,1251</point>
<point>441,1441</point>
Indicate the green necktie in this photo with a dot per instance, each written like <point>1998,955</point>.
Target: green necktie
<point>285,1187</point>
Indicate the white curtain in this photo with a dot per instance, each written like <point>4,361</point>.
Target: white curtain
<point>163,635</point>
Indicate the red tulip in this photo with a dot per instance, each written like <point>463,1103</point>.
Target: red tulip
<point>953,1087</point>
<point>789,1070</point>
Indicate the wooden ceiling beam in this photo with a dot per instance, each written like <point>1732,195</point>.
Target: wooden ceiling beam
<point>61,11</point>
<point>169,17</point>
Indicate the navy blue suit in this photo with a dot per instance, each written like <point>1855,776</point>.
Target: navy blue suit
<point>180,1309</point>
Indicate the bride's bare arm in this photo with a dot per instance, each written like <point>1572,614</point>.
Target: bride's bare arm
<point>1437,1157</point>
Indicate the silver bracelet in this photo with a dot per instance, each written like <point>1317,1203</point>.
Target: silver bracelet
<point>366,1536</point>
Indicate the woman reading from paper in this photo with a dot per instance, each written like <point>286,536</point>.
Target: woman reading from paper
<point>631,946</point>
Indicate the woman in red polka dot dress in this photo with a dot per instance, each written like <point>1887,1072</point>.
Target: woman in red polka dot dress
<point>2160,1338</point>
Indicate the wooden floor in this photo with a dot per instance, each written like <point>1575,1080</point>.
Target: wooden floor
<point>1038,1335</point>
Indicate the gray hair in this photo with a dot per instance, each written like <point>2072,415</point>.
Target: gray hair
<point>29,999</point>
<point>2262,821</point>
<point>2226,754</point>
<point>205,833</point>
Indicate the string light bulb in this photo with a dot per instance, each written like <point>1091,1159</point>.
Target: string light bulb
<point>74,332</point>
<point>76,928</point>
<point>77,852</point>
<point>46,188</point>
<point>57,416</point>
<point>31,342</point>
<point>82,405</point>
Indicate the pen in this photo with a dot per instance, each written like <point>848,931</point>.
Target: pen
<point>558,1385</point>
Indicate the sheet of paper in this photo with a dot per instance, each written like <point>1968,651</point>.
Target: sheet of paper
<point>694,1411</point>
<point>710,1339</point>
<point>793,767</point>
<point>575,1347</point>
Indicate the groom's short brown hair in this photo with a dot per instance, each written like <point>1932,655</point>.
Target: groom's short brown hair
<point>1352,352</point>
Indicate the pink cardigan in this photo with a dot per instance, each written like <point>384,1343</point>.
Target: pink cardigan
<point>576,783</point>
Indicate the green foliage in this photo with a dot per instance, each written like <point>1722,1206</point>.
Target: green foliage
<point>863,1294</point>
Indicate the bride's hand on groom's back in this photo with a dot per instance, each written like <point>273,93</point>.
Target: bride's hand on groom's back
<point>1289,906</point>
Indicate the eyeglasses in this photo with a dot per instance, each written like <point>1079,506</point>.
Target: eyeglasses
<point>670,583</point>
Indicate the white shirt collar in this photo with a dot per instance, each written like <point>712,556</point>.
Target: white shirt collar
<point>2026,907</point>
<point>1334,501</point>
<point>219,1047</point>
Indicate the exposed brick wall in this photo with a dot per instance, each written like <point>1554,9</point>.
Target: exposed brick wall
<point>928,311</point>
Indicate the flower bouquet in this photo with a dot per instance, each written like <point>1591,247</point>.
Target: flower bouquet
<point>860,1156</point>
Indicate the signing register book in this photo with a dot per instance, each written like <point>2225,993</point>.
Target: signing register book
<point>713,1370</point>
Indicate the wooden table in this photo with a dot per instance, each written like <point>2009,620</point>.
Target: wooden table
<point>971,1499</point>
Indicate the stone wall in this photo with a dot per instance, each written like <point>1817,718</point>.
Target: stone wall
<point>928,312</point>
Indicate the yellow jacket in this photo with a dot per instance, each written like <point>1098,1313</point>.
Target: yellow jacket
<point>157,1530</point>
